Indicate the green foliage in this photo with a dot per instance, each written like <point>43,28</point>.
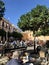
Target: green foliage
<point>37,18</point>
<point>38,33</point>
<point>9,34</point>
<point>2,8</point>
<point>17,35</point>
<point>2,32</point>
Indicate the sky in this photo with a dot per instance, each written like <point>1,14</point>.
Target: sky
<point>16,8</point>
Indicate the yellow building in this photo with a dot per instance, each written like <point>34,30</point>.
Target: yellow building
<point>28,35</point>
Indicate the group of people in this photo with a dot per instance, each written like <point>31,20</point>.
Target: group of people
<point>16,43</point>
<point>11,44</point>
<point>13,58</point>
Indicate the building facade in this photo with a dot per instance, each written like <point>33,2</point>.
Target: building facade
<point>7,27</point>
<point>28,35</point>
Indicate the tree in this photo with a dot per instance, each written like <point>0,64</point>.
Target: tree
<point>16,35</point>
<point>2,33</point>
<point>2,8</point>
<point>37,18</point>
<point>24,19</point>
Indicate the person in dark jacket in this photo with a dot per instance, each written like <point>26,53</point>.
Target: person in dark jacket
<point>15,59</point>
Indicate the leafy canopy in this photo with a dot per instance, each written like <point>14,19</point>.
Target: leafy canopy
<point>36,20</point>
<point>2,8</point>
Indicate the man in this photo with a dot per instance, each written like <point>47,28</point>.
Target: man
<point>15,59</point>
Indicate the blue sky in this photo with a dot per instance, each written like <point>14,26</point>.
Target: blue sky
<point>15,8</point>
